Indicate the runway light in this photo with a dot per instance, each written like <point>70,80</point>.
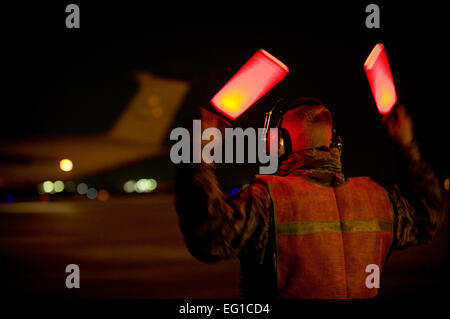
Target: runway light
<point>47,186</point>
<point>82,188</point>
<point>44,197</point>
<point>153,184</point>
<point>58,186</point>
<point>234,191</point>
<point>145,185</point>
<point>66,165</point>
<point>129,186</point>
<point>141,185</point>
<point>91,193</point>
<point>380,79</point>
<point>254,79</point>
<point>103,194</point>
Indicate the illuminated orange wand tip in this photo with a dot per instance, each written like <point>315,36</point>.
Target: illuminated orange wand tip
<point>254,79</point>
<point>380,79</point>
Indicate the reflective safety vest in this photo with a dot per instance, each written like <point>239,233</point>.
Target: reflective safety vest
<point>327,236</point>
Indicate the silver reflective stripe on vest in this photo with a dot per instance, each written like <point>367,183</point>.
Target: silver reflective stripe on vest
<point>333,226</point>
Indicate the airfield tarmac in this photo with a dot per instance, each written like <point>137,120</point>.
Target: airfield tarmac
<point>131,247</point>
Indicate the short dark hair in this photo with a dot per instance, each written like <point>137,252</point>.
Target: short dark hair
<point>310,109</point>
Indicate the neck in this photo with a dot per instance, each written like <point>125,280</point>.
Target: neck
<point>320,163</point>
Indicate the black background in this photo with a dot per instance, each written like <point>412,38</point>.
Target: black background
<point>77,81</point>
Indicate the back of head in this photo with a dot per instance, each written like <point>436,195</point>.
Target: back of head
<point>309,124</point>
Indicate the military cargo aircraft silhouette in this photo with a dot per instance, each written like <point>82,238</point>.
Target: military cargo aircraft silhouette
<point>139,133</point>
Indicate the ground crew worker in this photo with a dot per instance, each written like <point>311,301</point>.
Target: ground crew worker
<point>307,231</point>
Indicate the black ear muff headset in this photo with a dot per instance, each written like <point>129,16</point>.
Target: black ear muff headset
<point>273,120</point>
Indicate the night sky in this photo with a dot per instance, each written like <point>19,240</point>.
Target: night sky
<point>77,81</point>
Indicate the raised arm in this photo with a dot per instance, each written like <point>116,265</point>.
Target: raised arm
<point>218,226</point>
<point>419,202</point>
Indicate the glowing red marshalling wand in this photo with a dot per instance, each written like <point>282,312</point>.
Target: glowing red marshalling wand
<point>380,79</point>
<point>254,79</point>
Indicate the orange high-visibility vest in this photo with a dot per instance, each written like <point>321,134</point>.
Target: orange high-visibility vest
<point>327,236</point>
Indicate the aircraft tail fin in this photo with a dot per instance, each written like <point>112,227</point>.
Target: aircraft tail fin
<point>151,110</point>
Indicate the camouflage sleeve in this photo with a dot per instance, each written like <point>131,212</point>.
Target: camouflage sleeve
<point>216,226</point>
<point>418,202</point>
